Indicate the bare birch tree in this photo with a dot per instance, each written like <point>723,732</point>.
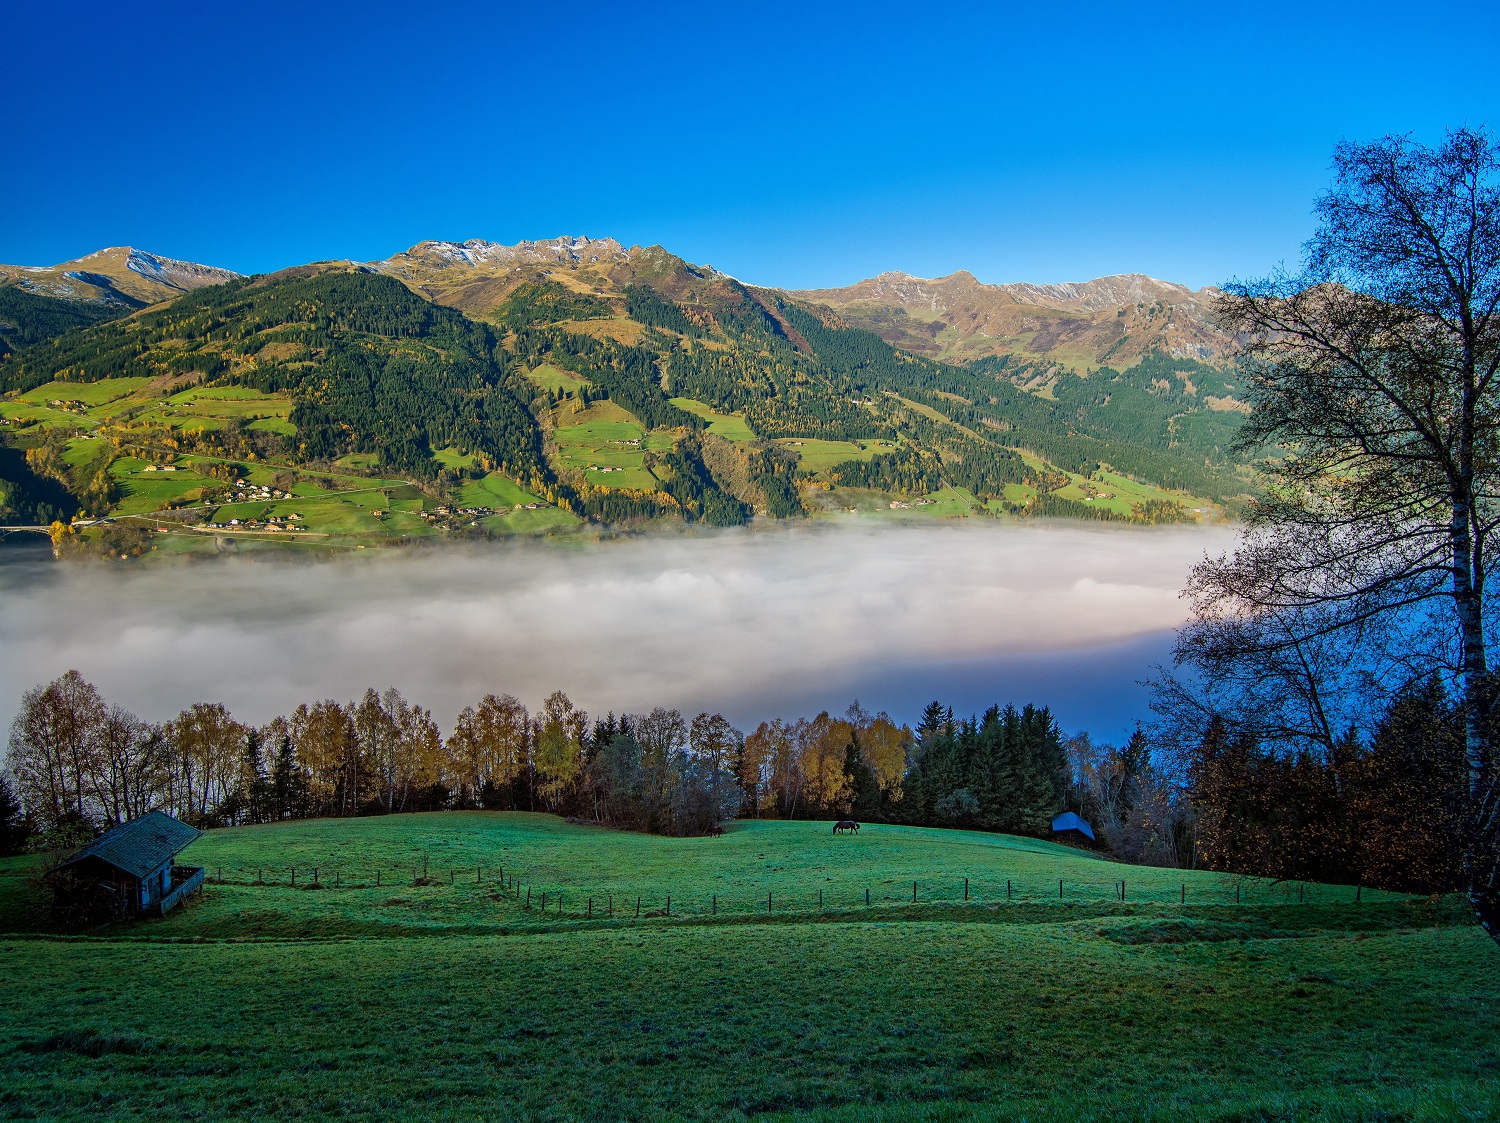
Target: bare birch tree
<point>54,747</point>
<point>1373,379</point>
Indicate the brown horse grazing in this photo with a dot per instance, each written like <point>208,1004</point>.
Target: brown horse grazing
<point>846,825</point>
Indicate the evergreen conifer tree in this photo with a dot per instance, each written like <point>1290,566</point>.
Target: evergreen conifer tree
<point>13,829</point>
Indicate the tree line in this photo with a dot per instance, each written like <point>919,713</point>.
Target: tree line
<point>77,763</point>
<point>1383,811</point>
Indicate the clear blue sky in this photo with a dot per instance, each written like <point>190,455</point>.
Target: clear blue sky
<point>789,144</point>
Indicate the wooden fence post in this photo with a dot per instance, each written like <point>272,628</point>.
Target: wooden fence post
<point>1184,892</point>
<point>669,904</point>
<point>714,909</point>
<point>867,898</point>
<point>913,892</point>
<point>294,877</point>
<point>1007,888</point>
<point>258,879</point>
<point>315,875</point>
<point>768,901</point>
<point>452,876</point>
<point>1059,889</point>
<point>591,907</point>
<point>637,908</point>
<point>966,888</point>
<point>820,900</point>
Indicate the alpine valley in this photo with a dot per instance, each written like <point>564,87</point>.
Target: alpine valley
<point>479,389</point>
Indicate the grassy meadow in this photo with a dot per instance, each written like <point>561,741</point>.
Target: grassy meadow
<point>607,444</point>
<point>814,455</point>
<point>555,378</point>
<point>450,999</point>
<point>730,426</point>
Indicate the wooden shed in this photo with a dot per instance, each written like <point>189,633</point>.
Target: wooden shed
<point>128,871</point>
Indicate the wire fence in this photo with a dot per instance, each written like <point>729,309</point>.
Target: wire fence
<point>515,889</point>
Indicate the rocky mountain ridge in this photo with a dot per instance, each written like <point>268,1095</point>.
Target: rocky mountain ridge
<point>116,275</point>
<point>1112,321</point>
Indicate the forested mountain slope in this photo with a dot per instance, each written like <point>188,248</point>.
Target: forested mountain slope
<point>601,383</point>
<point>1178,405</point>
<point>39,302</point>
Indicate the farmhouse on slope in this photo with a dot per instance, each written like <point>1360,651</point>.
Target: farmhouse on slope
<point>127,872</point>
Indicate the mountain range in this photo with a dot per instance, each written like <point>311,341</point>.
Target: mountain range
<point>1111,321</point>
<point>623,384</point>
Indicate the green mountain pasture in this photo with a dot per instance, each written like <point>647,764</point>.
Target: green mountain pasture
<point>450,999</point>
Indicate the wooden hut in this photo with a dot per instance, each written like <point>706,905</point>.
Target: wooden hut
<point>127,872</point>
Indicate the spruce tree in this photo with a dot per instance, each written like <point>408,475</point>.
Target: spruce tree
<point>255,785</point>
<point>286,782</point>
<point>13,829</point>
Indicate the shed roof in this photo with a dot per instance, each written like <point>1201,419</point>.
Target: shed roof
<point>1069,821</point>
<point>139,846</point>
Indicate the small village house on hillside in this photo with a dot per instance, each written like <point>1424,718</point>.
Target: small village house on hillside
<point>128,871</point>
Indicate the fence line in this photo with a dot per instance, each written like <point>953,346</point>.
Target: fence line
<point>1227,889</point>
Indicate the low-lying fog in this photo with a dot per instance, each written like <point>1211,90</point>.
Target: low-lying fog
<point>752,624</point>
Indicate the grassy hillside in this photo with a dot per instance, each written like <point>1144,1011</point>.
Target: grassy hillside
<point>444,1000</point>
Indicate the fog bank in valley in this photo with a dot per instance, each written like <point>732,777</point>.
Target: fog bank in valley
<point>753,624</point>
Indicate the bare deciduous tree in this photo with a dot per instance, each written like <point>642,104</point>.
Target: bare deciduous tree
<point>490,742</point>
<point>1373,377</point>
<point>54,747</point>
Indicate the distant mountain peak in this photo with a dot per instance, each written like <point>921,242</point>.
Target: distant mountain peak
<point>116,274</point>
<point>1103,292</point>
<point>1109,320</point>
<point>477,252</point>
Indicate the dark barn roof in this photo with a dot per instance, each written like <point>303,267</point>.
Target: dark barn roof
<point>139,846</point>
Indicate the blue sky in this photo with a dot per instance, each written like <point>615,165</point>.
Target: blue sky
<point>788,144</point>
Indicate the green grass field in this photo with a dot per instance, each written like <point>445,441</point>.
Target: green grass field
<point>495,490</point>
<point>199,409</point>
<point>454,1001</point>
<point>730,426</point>
<point>89,393</point>
<point>604,436</point>
<point>815,455</point>
<point>555,378</point>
